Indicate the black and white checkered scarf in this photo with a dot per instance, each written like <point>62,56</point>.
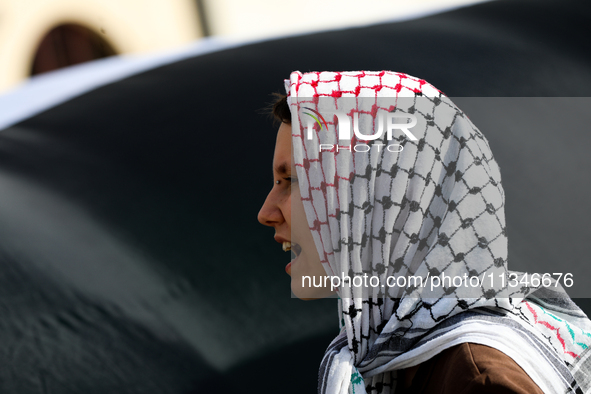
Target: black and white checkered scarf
<point>429,207</point>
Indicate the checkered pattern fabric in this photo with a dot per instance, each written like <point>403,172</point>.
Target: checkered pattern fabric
<point>427,204</point>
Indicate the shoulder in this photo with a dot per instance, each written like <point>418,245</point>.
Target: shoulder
<point>472,368</point>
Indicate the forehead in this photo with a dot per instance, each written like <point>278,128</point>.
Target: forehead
<point>282,157</point>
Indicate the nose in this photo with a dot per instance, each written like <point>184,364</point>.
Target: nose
<point>270,214</point>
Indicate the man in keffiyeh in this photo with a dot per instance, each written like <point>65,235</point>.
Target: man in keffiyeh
<point>385,188</point>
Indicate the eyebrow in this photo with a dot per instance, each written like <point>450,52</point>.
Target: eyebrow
<point>282,169</point>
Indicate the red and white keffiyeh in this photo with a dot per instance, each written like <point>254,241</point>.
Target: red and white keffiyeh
<point>430,206</point>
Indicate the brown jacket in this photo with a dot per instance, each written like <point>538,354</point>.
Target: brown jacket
<point>470,368</point>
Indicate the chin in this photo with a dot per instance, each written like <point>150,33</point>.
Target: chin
<point>306,293</point>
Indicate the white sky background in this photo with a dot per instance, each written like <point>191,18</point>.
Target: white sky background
<point>262,18</point>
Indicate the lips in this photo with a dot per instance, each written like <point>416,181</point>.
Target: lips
<point>292,247</point>
<point>289,246</point>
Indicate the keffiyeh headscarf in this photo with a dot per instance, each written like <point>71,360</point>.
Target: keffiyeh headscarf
<point>423,200</point>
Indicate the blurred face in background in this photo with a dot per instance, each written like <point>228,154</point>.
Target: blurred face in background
<point>284,211</point>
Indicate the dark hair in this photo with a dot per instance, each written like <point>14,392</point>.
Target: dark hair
<point>280,108</point>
